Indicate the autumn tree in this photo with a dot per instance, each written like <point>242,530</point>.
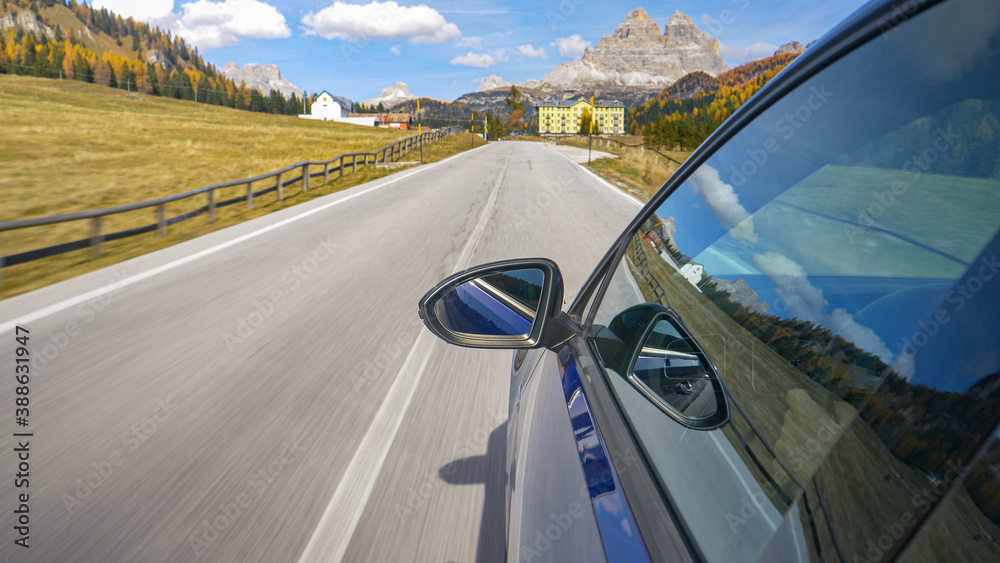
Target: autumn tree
<point>515,103</point>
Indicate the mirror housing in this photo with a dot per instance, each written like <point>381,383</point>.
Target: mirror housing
<point>475,308</point>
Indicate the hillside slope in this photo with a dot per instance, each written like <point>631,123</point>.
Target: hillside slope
<point>52,39</point>
<point>688,111</point>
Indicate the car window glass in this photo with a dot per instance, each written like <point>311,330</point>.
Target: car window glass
<point>966,526</point>
<point>839,253</point>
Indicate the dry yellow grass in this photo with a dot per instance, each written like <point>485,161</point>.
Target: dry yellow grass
<point>69,146</point>
<point>637,171</point>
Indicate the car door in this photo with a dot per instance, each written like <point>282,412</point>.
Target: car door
<point>830,256</point>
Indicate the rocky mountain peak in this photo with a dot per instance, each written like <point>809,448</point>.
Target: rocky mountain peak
<point>680,30</point>
<point>392,95</point>
<point>637,55</point>
<point>492,83</point>
<point>261,77</point>
<point>637,23</point>
<point>679,18</point>
<point>792,47</point>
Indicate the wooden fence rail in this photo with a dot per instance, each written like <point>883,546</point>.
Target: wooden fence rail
<point>281,180</point>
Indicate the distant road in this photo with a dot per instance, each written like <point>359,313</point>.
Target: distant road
<point>266,392</point>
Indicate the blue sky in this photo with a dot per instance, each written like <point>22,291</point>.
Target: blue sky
<point>443,49</point>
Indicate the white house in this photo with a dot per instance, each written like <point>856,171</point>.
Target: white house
<point>327,108</point>
<point>692,272</point>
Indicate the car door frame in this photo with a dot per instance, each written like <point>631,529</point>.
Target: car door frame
<point>662,531</point>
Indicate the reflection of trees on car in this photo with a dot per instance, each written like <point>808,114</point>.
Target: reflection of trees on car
<point>928,428</point>
<point>797,341</point>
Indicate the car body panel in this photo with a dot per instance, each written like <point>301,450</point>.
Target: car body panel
<point>813,466</point>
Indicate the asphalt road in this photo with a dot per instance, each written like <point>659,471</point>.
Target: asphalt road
<point>267,393</point>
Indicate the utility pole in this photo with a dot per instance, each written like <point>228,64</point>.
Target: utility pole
<point>593,114</point>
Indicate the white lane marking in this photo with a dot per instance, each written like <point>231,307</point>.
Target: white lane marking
<point>611,186</point>
<point>333,533</point>
<point>470,247</point>
<point>121,284</point>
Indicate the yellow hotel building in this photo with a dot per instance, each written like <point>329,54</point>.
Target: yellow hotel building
<point>563,118</point>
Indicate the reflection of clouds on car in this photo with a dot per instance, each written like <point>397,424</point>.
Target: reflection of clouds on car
<point>806,301</point>
<point>722,200</point>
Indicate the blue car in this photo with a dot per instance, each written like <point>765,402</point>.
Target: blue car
<point>828,389</point>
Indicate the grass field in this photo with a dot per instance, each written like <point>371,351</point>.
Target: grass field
<point>70,146</point>
<point>639,172</point>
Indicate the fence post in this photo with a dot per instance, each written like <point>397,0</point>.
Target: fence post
<point>354,163</point>
<point>161,220</point>
<point>95,238</point>
<point>340,167</point>
<point>305,177</point>
<point>211,206</point>
<point>326,172</point>
<point>1,265</point>
<point>250,195</point>
<point>281,188</point>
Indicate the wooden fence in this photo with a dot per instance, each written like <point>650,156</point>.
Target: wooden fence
<point>300,173</point>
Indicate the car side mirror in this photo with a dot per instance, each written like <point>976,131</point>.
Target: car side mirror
<point>509,304</point>
<point>651,349</point>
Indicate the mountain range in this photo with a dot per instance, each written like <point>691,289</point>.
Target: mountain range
<point>391,96</point>
<point>630,65</point>
<point>637,55</point>
<point>261,77</point>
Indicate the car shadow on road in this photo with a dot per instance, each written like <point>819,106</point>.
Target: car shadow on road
<point>487,470</point>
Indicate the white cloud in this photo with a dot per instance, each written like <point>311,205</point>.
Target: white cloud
<point>208,24</point>
<point>380,21</point>
<point>531,52</point>
<point>472,42</point>
<point>142,11</point>
<point>735,56</point>
<point>396,50</point>
<point>572,46</point>
<point>479,60</point>
<point>723,202</point>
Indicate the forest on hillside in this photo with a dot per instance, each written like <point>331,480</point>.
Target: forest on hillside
<point>64,39</point>
<point>684,114</point>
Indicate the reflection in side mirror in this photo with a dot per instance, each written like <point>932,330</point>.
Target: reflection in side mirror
<point>648,346</point>
<point>500,305</point>
<point>669,367</point>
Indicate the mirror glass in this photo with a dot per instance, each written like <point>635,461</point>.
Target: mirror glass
<point>670,367</point>
<point>499,304</point>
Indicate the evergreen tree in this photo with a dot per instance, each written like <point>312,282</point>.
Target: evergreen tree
<point>257,102</point>
<point>585,121</point>
<point>112,80</point>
